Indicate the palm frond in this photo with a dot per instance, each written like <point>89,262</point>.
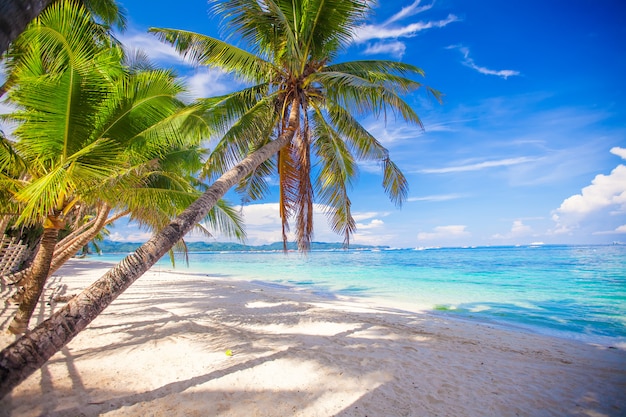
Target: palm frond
<point>227,220</point>
<point>205,50</point>
<point>364,96</point>
<point>394,182</point>
<point>109,11</point>
<point>336,173</point>
<point>252,128</point>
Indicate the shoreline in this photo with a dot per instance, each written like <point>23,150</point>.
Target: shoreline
<point>408,304</point>
<point>160,349</point>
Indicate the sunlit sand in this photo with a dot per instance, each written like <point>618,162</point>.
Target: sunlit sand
<point>180,344</point>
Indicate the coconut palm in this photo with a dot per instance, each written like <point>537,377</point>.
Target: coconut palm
<point>92,133</point>
<point>298,97</point>
<point>289,59</point>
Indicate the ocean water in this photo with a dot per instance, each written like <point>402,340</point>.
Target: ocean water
<point>574,292</point>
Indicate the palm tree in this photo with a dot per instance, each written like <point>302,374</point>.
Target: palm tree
<point>299,97</point>
<point>90,132</point>
<point>289,60</point>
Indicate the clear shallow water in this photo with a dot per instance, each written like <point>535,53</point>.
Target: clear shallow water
<point>577,292</point>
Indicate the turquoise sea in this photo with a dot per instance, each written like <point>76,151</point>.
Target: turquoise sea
<point>574,292</point>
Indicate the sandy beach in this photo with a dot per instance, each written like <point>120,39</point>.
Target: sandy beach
<point>164,349</point>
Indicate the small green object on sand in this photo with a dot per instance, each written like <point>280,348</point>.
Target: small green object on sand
<point>229,352</point>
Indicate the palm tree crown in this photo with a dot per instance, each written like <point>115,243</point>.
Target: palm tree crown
<point>287,58</point>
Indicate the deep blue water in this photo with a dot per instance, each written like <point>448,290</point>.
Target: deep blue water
<point>576,292</point>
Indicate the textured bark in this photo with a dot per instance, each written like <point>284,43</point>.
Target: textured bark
<point>63,252</point>
<point>15,15</point>
<point>69,239</point>
<point>62,248</point>
<point>31,351</point>
<point>34,286</point>
<point>4,222</point>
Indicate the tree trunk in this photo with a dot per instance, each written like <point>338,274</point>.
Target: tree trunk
<point>34,286</point>
<point>15,15</point>
<point>31,351</point>
<point>69,239</point>
<point>61,248</point>
<point>63,252</point>
<point>4,222</point>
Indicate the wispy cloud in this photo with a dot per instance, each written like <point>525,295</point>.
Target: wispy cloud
<point>617,231</point>
<point>207,82</point>
<point>479,166</point>
<point>437,197</point>
<point>408,11</point>
<point>385,31</point>
<point>395,49</point>
<point>155,49</point>
<point>444,232</point>
<point>386,35</point>
<point>469,62</point>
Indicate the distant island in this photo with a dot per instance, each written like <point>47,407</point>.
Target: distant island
<point>109,246</point>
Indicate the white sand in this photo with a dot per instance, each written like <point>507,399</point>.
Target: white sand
<point>159,350</point>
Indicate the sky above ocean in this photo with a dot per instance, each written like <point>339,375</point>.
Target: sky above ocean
<point>528,146</point>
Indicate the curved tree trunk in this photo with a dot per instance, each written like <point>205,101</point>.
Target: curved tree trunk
<point>34,286</point>
<point>15,15</point>
<point>68,240</point>
<point>31,351</point>
<point>4,222</point>
<point>85,233</point>
<point>65,251</point>
<point>62,251</point>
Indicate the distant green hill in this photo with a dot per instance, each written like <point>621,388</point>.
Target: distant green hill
<point>109,246</point>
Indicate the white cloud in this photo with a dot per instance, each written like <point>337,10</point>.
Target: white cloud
<point>384,31</point>
<point>201,81</point>
<point>618,230</point>
<point>391,29</point>
<point>410,10</point>
<point>606,192</point>
<point>366,215</point>
<point>479,166</point>
<point>468,61</point>
<point>155,49</point>
<point>621,152</point>
<point>207,82</point>
<point>437,197</point>
<point>395,49</point>
<point>135,236</point>
<point>444,232</point>
<point>373,232</point>
<point>263,225</point>
<point>518,229</point>
<point>374,224</point>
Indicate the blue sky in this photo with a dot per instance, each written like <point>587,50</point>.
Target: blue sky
<point>529,145</point>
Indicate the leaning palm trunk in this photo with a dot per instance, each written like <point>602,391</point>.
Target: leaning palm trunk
<point>34,286</point>
<point>31,351</point>
<point>4,222</point>
<point>47,262</point>
<point>68,246</point>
